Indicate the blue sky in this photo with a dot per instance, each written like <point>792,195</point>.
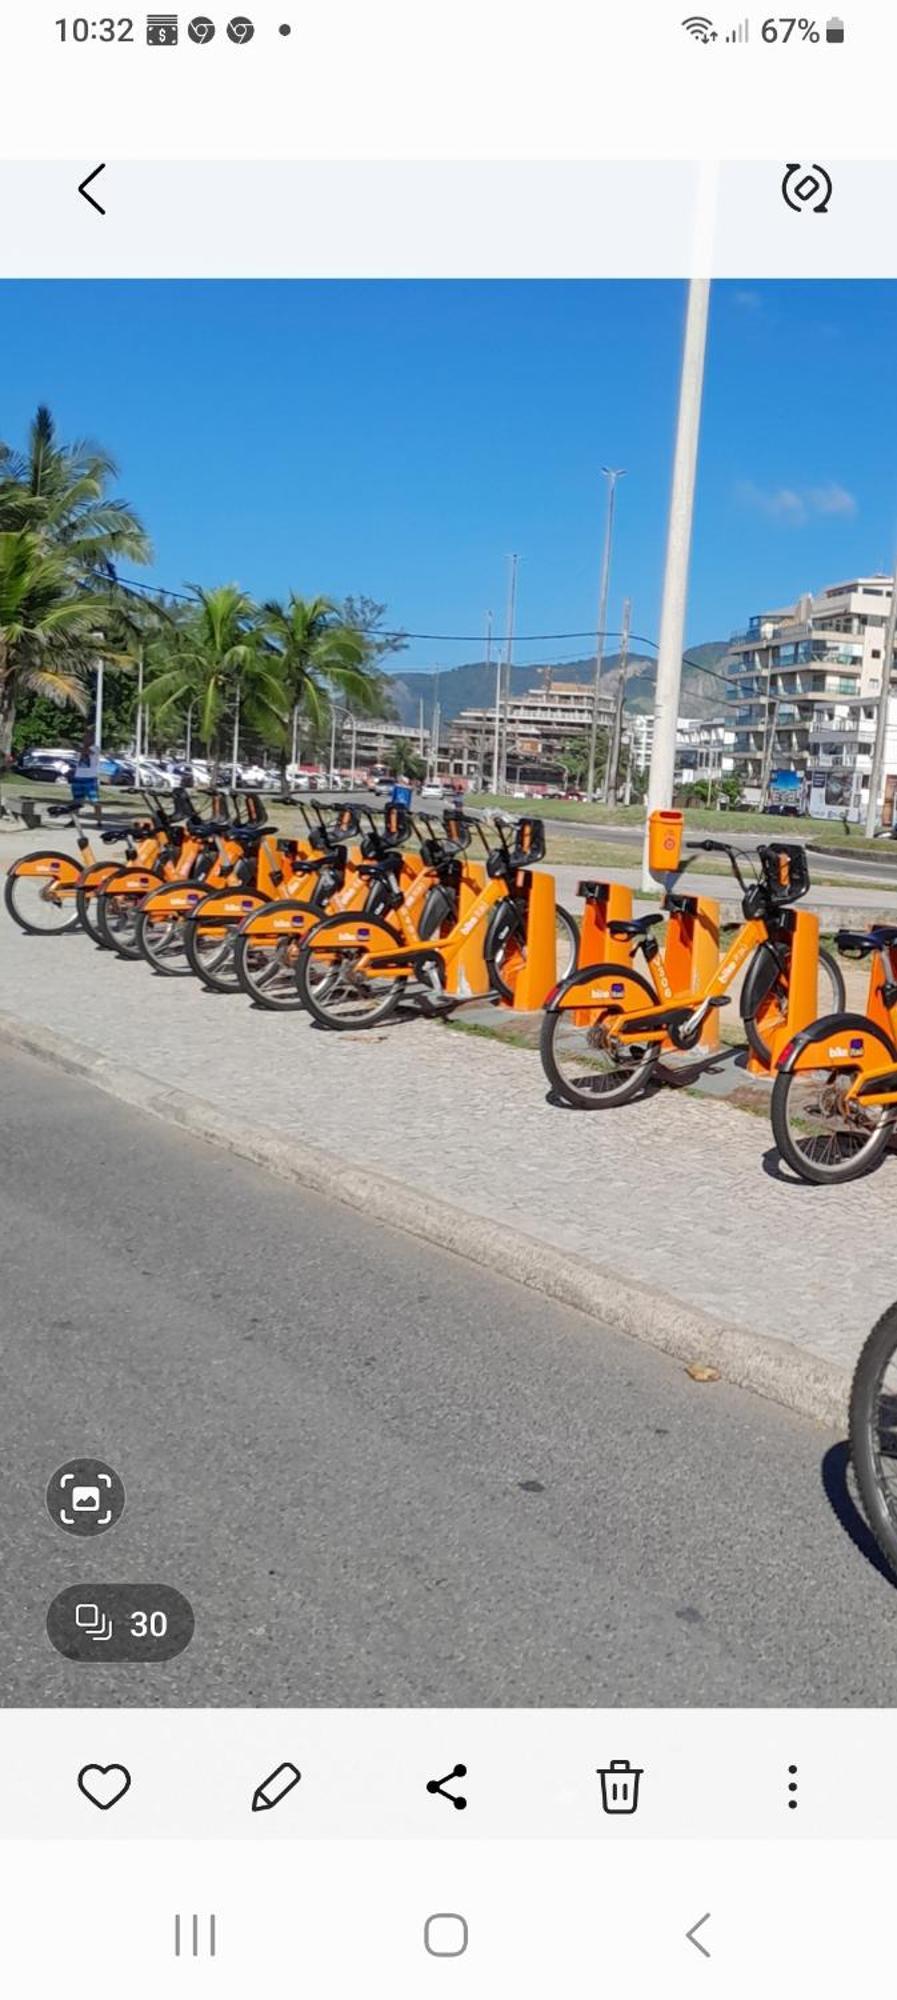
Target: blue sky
<point>401,439</point>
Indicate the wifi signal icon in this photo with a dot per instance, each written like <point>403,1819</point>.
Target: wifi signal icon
<point>699,28</point>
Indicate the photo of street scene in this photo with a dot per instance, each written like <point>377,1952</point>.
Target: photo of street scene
<point>448,992</point>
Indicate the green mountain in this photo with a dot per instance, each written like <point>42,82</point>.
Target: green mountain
<point>473,685</point>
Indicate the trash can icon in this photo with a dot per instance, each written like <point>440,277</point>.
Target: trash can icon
<point>620,1786</point>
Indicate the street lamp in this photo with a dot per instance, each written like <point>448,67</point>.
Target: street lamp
<point>612,474</point>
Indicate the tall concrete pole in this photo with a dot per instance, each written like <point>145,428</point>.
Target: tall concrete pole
<point>98,707</point>
<point>506,675</point>
<point>613,760</point>
<point>612,474</point>
<point>675,583</point>
<point>881,718</point>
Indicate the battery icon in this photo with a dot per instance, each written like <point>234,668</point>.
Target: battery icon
<point>834,29</point>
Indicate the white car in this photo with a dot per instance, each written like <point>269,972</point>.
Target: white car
<point>431,791</point>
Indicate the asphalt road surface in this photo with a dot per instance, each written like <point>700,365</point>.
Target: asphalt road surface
<point>381,1476</point>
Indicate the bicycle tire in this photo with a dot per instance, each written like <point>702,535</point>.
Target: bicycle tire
<point>27,923</point>
<point>319,996</point>
<point>554,1019</point>
<point>86,894</point>
<point>261,981</point>
<point>217,972</point>
<point>123,942</point>
<point>878,1349</point>
<point>817,1172</point>
<point>828,965</point>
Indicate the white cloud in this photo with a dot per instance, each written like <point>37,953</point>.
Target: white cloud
<point>794,506</point>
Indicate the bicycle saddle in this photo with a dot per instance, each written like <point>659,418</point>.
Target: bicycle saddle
<point>864,942</point>
<point>634,927</point>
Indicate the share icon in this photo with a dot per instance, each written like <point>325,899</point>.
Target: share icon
<point>437,1787</point>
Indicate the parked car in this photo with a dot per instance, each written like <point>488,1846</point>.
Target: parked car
<point>48,767</point>
<point>116,771</point>
<point>431,791</point>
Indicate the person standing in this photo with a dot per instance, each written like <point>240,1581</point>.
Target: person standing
<point>85,779</point>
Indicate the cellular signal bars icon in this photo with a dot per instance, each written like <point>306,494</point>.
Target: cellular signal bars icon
<point>740,34</point>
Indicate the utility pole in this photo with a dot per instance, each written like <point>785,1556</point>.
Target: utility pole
<point>434,732</point>
<point>679,531</point>
<point>612,474</point>
<point>98,708</point>
<point>420,726</point>
<point>881,718</point>
<point>505,701</point>
<point>235,746</point>
<point>613,761</point>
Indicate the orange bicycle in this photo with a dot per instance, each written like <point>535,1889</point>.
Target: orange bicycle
<point>49,891</point>
<point>607,1027</point>
<point>285,884</point>
<point>354,971</point>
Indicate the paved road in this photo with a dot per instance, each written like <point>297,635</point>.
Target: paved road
<point>381,1476</point>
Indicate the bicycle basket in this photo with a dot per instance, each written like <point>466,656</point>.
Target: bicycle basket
<point>786,873</point>
<point>529,845</point>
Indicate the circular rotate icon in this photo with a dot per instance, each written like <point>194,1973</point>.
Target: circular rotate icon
<point>240,29</point>
<point>201,29</point>
<point>85,1497</point>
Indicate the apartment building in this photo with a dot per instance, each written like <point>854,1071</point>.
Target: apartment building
<point>806,681</point>
<point>704,749</point>
<point>539,725</point>
<point>640,730</point>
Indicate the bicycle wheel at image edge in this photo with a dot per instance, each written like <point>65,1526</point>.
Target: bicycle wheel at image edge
<point>581,1063</point>
<point>824,1139</point>
<point>831,997</point>
<point>31,902</point>
<point>873,1432</point>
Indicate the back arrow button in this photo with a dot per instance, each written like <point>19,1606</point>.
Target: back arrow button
<point>693,1939</point>
<point>85,184</point>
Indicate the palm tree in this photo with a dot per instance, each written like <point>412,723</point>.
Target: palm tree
<point>403,760</point>
<point>215,662</point>
<point>61,493</point>
<point>52,629</point>
<point>318,655</point>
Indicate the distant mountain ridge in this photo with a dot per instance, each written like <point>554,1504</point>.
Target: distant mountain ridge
<point>473,685</point>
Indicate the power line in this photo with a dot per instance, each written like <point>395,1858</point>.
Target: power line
<point>460,638</point>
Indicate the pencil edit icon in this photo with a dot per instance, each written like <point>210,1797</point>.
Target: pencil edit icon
<point>275,1787</point>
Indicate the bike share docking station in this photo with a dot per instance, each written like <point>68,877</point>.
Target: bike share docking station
<point>691,951</point>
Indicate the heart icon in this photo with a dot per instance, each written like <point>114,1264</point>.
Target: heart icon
<point>104,1784</point>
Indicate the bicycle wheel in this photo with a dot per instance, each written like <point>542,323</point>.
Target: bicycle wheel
<point>40,894</point>
<point>161,939</point>
<point>873,1431</point>
<point>506,946</point>
<point>831,998</point>
<point>118,908</point>
<point>333,984</point>
<point>583,1061</point>
<point>211,935</point>
<point>265,958</point>
<point>86,896</point>
<point>819,1135</point>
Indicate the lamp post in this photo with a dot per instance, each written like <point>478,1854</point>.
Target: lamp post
<point>881,718</point>
<point>675,582</point>
<point>612,474</point>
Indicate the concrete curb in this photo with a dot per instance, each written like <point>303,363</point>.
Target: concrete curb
<point>772,1368</point>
